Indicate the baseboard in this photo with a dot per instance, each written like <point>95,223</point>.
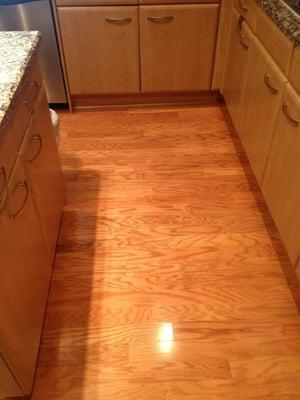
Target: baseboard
<point>84,102</point>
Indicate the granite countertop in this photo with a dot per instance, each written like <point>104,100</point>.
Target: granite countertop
<point>16,49</point>
<point>287,20</point>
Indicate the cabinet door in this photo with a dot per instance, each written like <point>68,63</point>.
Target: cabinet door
<point>281,184</point>
<point>240,42</point>
<point>43,170</point>
<point>101,49</point>
<point>25,274</point>
<point>264,89</point>
<point>177,46</point>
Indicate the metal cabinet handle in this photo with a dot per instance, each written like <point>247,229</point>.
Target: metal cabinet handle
<point>3,174</point>
<point>117,20</point>
<point>242,6</point>
<point>267,80</point>
<point>161,19</point>
<point>21,184</point>
<point>36,86</point>
<point>288,115</point>
<point>37,138</point>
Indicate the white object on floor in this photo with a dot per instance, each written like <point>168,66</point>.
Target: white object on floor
<point>55,124</point>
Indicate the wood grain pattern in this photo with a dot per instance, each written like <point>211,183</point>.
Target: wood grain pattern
<point>177,54</point>
<point>222,44</point>
<point>276,43</point>
<point>170,278</point>
<point>260,107</point>
<point>281,180</point>
<point>106,56</point>
<point>236,70</point>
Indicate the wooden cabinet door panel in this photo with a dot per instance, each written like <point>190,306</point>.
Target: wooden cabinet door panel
<point>43,169</point>
<point>240,42</point>
<point>177,46</point>
<point>25,275</point>
<point>101,48</point>
<point>281,183</point>
<point>265,85</point>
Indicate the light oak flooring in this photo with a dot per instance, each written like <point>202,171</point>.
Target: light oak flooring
<point>170,281</point>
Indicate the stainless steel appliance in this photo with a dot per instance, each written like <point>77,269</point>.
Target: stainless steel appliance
<point>36,15</point>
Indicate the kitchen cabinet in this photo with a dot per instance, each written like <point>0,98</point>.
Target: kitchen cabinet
<point>25,275</point>
<point>177,46</point>
<point>276,43</point>
<point>263,93</point>
<point>282,176</point>
<point>294,74</point>
<point>101,48</point>
<point>31,200</point>
<point>240,43</point>
<point>43,169</point>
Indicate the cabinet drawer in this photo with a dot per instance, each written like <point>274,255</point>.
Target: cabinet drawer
<point>294,75</point>
<point>279,47</point>
<point>264,90</point>
<point>248,10</point>
<point>17,119</point>
<point>177,46</point>
<point>282,176</point>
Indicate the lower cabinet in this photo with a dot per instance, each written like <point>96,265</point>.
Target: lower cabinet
<point>43,168</point>
<point>263,93</point>
<point>25,274</point>
<point>144,48</point>
<point>281,183</point>
<point>101,48</point>
<point>240,43</point>
<point>177,46</point>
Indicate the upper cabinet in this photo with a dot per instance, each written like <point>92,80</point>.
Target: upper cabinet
<point>281,186</point>
<point>177,46</point>
<point>101,48</point>
<point>265,84</point>
<point>240,43</point>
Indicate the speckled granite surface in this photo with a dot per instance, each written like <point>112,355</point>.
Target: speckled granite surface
<point>284,17</point>
<point>16,49</point>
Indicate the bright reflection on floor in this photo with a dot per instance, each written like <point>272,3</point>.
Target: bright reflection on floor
<point>166,337</point>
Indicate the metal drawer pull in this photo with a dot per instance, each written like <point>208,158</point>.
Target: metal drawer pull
<point>22,184</point>
<point>37,138</point>
<point>117,20</point>
<point>287,113</point>
<point>36,87</point>
<point>242,6</point>
<point>267,80</point>
<point>161,19</point>
<point>3,174</point>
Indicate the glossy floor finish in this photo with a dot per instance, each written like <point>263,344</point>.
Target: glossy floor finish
<point>170,282</point>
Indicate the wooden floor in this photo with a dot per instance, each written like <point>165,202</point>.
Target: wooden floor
<point>170,282</point>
